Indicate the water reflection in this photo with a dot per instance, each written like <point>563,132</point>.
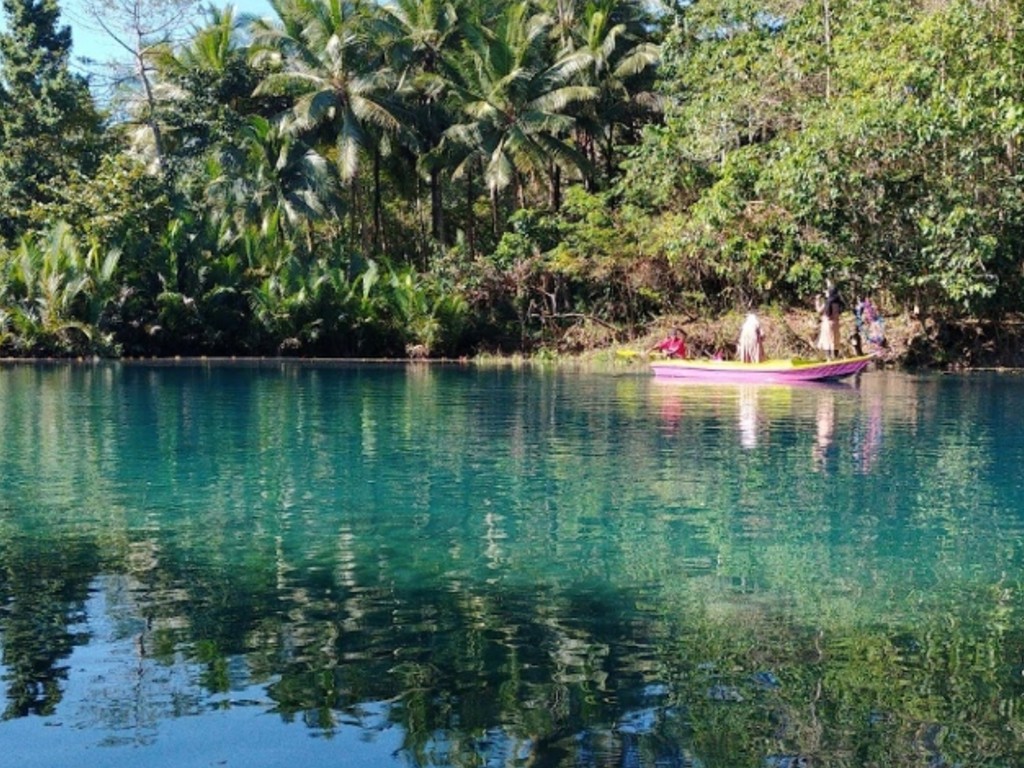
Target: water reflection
<point>825,422</point>
<point>748,395</point>
<point>867,436</point>
<point>762,408</point>
<point>459,567</point>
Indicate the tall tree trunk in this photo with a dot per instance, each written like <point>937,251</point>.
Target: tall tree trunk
<point>555,199</point>
<point>151,119</point>
<point>587,144</point>
<point>470,217</point>
<point>436,210</point>
<point>609,152</point>
<point>494,210</point>
<point>378,230</point>
<point>359,231</point>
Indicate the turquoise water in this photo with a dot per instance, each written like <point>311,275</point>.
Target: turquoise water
<point>370,565</point>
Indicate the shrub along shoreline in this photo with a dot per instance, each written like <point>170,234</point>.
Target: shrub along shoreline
<point>911,344</point>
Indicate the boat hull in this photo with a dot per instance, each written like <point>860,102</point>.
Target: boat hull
<point>769,371</point>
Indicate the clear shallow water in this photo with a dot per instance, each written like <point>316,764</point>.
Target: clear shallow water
<point>286,564</point>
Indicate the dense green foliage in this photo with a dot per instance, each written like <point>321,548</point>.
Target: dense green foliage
<point>49,129</point>
<point>362,178</point>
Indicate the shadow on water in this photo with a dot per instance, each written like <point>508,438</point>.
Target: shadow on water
<point>510,569</point>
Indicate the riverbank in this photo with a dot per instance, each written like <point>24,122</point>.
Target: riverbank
<point>911,342</point>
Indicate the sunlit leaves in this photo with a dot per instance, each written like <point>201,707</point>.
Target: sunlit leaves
<point>54,294</point>
<point>514,102</point>
<point>861,148</point>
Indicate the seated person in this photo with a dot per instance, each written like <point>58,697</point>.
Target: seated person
<point>674,345</point>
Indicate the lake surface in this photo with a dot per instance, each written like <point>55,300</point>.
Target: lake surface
<point>285,564</point>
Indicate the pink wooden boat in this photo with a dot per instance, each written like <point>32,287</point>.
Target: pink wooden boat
<point>768,371</point>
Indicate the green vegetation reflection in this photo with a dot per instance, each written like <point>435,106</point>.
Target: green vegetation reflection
<point>284,527</point>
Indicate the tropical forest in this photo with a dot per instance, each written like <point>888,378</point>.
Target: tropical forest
<point>442,178</point>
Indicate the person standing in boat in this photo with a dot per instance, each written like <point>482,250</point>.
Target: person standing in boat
<point>750,348</point>
<point>829,307</point>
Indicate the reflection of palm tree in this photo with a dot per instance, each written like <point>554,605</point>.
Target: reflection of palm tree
<point>41,595</point>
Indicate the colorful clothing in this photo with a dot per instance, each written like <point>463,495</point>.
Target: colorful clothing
<point>871,324</point>
<point>673,346</point>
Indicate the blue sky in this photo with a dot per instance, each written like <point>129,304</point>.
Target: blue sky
<point>97,46</point>
<point>93,45</point>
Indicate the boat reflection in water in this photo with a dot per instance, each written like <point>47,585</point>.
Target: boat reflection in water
<point>814,410</point>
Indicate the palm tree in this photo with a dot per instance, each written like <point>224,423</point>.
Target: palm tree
<point>564,21</point>
<point>620,58</point>
<point>274,181</point>
<point>420,32</point>
<point>513,104</point>
<point>614,36</point>
<point>211,47</point>
<point>323,58</point>
<point>197,93</point>
<point>418,37</point>
<point>213,67</point>
<point>54,293</point>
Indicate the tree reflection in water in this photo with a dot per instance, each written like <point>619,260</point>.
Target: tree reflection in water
<point>586,580</point>
<point>490,676</point>
<point>42,609</point>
